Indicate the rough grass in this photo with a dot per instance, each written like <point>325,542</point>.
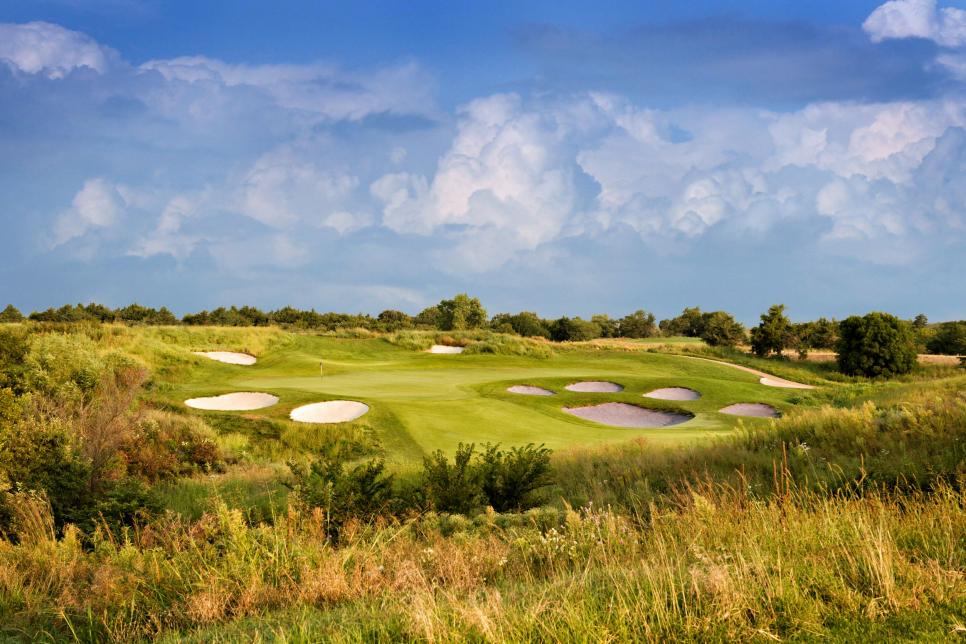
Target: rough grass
<point>716,564</point>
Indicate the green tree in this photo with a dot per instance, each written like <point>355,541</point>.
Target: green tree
<point>720,329</point>
<point>573,330</point>
<point>609,328</point>
<point>773,334</point>
<point>392,320</point>
<point>689,324</point>
<point>428,317</point>
<point>10,314</point>
<point>460,313</point>
<point>920,321</point>
<point>876,344</point>
<point>639,324</point>
<point>950,339</point>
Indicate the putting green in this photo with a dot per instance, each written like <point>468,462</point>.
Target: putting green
<point>421,402</point>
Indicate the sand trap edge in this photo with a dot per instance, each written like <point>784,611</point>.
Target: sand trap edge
<point>228,357</point>
<point>263,400</point>
<point>595,387</point>
<point>674,393</point>
<point>445,349</point>
<point>329,411</point>
<point>618,414</point>
<point>751,410</point>
<point>530,390</point>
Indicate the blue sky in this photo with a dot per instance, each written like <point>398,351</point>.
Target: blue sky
<point>568,158</point>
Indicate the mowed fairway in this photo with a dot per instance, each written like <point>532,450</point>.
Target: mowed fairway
<point>422,402</point>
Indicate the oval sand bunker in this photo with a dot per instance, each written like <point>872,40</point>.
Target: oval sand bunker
<point>529,390</point>
<point>228,357</point>
<point>624,415</point>
<point>241,401</point>
<point>442,348</point>
<point>673,393</point>
<point>332,411</point>
<point>759,410</point>
<point>595,386</point>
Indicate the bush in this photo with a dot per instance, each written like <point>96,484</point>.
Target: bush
<point>362,492</point>
<point>452,488</point>
<point>512,480</point>
<point>877,344</point>
<point>504,480</point>
<point>10,314</point>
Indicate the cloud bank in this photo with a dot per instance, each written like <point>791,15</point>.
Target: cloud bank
<point>212,182</point>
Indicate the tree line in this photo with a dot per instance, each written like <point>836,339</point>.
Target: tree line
<point>774,335</point>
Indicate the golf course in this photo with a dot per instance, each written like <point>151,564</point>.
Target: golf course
<point>420,402</point>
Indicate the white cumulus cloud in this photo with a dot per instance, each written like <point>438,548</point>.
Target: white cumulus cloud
<point>917,19</point>
<point>45,48</point>
<point>97,205</point>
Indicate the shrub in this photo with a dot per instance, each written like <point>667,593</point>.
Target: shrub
<point>10,314</point>
<point>452,488</point>
<point>504,480</point>
<point>362,492</point>
<point>877,344</point>
<point>512,480</point>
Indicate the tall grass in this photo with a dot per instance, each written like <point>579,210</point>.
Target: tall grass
<point>718,564</point>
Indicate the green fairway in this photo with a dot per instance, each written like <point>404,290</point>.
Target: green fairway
<point>421,402</point>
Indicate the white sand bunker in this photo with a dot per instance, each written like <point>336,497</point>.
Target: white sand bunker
<point>333,411</point>
<point>624,415</point>
<point>673,393</point>
<point>529,390</point>
<point>759,410</point>
<point>443,348</point>
<point>228,357</point>
<point>241,401</point>
<point>595,386</point>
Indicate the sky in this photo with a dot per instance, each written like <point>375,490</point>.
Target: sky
<point>559,157</point>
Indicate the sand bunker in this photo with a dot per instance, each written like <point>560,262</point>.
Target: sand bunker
<point>764,378</point>
<point>333,411</point>
<point>673,393</point>
<point>529,390</point>
<point>442,348</point>
<point>624,415</point>
<point>595,386</point>
<point>241,401</point>
<point>759,410</point>
<point>228,357</point>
